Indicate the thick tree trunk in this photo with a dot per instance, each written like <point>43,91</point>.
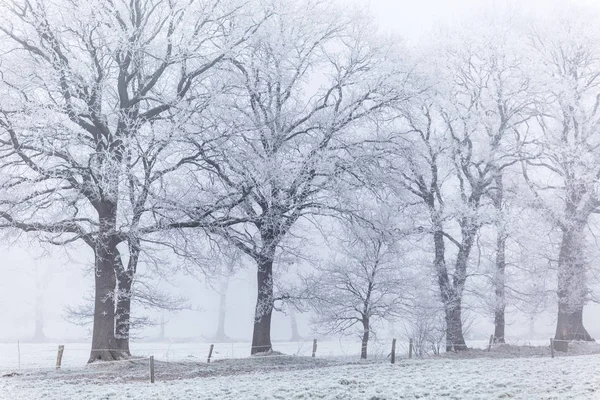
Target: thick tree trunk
<point>104,343</point>
<point>500,273</point>
<point>572,290</point>
<point>261,338</point>
<point>451,297</point>
<point>294,325</point>
<point>454,331</point>
<point>123,311</point>
<point>224,286</point>
<point>365,338</point>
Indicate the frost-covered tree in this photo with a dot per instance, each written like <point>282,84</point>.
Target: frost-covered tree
<point>364,283</point>
<point>564,174</point>
<point>460,137</point>
<point>95,94</point>
<point>302,92</point>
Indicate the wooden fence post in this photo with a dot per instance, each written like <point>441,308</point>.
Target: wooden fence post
<point>212,346</point>
<point>151,369</point>
<point>61,349</point>
<point>393,351</point>
<point>491,341</point>
<point>314,352</point>
<point>410,348</point>
<point>552,347</point>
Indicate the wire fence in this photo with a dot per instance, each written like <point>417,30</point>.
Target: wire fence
<point>178,359</point>
<point>43,355</point>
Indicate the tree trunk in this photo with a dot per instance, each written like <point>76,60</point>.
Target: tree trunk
<point>365,338</point>
<point>104,344</point>
<point>261,338</point>
<point>572,290</point>
<point>500,273</point>
<point>500,283</point>
<point>500,290</point>
<point>224,286</point>
<point>451,297</point>
<point>123,310</point>
<point>161,335</point>
<point>294,324</point>
<point>454,331</point>
<point>38,335</point>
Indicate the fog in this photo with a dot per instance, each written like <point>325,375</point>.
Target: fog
<point>69,272</point>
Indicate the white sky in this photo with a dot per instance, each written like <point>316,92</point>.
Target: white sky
<point>413,19</point>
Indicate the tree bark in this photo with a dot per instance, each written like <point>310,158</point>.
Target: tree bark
<point>572,289</point>
<point>261,338</point>
<point>123,310</point>
<point>451,297</point>
<point>500,273</point>
<point>365,338</point>
<point>455,340</point>
<point>104,344</point>
<point>500,292</point>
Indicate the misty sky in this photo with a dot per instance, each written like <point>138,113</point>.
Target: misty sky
<point>70,279</point>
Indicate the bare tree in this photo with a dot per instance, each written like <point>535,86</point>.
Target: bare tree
<point>90,140</point>
<point>564,174</point>
<point>363,284</point>
<point>460,138</point>
<point>310,78</point>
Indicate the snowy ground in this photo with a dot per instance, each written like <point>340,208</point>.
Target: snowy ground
<point>506,372</point>
<point>305,378</point>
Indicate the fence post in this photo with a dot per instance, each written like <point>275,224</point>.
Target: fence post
<point>212,346</point>
<point>552,347</point>
<point>61,349</point>
<point>314,352</point>
<point>393,351</point>
<point>151,369</point>
<point>491,341</point>
<point>410,348</point>
<point>19,353</point>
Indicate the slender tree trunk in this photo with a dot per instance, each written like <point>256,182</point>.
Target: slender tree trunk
<point>261,338</point>
<point>224,286</point>
<point>500,292</point>
<point>38,335</point>
<point>104,344</point>
<point>572,289</point>
<point>500,275</point>
<point>123,310</point>
<point>531,327</point>
<point>294,324</point>
<point>161,335</point>
<point>365,338</point>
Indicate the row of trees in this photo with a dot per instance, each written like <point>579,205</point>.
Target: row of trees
<point>147,126</point>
